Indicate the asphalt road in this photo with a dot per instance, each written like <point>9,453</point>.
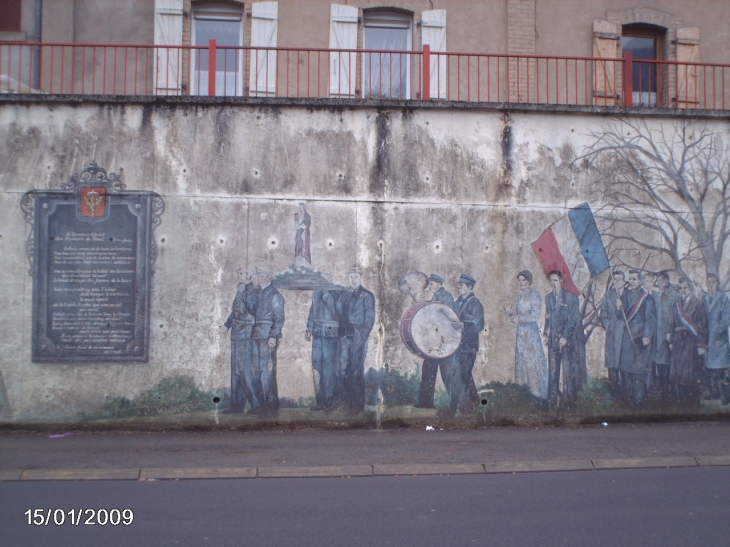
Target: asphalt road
<point>642,507</point>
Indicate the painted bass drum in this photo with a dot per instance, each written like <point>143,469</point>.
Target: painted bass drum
<point>427,330</point>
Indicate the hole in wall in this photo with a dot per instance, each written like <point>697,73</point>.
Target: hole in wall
<point>216,400</point>
<point>484,401</point>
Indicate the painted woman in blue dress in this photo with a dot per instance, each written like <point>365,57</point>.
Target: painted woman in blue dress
<point>531,368</point>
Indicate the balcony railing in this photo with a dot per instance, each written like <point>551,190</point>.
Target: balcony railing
<point>121,69</point>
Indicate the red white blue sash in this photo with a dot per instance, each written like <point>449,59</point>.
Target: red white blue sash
<point>635,308</point>
<point>684,319</point>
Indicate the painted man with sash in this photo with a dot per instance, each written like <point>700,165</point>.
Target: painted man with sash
<point>717,358</point>
<point>688,342</point>
<point>637,309</point>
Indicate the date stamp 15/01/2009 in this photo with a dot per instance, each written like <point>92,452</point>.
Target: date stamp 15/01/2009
<point>79,517</point>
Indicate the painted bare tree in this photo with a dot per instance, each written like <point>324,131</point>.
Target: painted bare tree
<point>663,193</point>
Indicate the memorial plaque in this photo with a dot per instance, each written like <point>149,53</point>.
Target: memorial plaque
<point>91,253</point>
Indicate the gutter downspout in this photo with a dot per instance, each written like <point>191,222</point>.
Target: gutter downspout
<point>37,50</point>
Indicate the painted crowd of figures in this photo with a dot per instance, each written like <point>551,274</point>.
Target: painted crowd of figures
<point>666,338</point>
<point>339,324</point>
<point>657,337</point>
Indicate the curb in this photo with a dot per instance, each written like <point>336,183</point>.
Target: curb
<point>341,471</point>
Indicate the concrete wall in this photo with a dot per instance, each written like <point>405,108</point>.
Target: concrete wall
<point>390,189</point>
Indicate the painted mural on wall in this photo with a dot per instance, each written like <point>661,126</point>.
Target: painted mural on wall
<point>663,206</point>
<point>643,265</point>
<point>338,326</point>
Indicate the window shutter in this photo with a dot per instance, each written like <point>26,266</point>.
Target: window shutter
<point>343,35</point>
<point>433,24</point>
<point>168,32</point>
<point>688,51</point>
<point>605,46</point>
<point>264,29</point>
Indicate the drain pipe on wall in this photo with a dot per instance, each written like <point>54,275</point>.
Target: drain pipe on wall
<point>37,49</point>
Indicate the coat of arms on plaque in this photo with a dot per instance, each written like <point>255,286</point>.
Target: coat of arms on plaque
<point>93,201</point>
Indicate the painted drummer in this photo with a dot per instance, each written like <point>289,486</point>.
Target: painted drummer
<point>435,292</point>
<point>461,386</point>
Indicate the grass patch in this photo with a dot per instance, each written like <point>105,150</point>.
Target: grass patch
<point>173,395</point>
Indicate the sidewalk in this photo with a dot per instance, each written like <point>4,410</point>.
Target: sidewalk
<point>263,454</point>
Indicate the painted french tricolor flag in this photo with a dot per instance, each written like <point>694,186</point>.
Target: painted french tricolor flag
<point>573,246</point>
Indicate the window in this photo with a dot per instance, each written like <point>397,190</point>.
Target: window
<point>387,75</point>
<point>224,24</point>
<point>10,15</point>
<point>645,43</point>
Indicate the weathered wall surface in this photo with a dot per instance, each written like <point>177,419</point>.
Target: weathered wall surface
<point>390,190</point>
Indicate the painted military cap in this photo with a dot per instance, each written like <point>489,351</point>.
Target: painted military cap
<point>466,278</point>
<point>437,278</point>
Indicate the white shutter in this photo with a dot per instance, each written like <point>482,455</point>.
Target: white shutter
<point>343,35</point>
<point>168,32</point>
<point>433,24</point>
<point>605,73</point>
<point>264,28</point>
<point>688,51</point>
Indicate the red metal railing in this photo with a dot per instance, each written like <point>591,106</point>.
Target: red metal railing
<point>114,69</point>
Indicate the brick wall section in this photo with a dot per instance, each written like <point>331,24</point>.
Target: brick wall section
<point>521,40</point>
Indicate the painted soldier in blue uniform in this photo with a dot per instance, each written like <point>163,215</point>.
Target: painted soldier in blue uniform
<point>240,322</point>
<point>357,312</point>
<point>639,308</point>
<point>561,321</point>
<point>323,329</point>
<point>437,293</point>
<point>268,310</point>
<point>462,390</point>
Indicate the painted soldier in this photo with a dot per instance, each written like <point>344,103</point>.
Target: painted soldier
<point>357,313</point>
<point>268,310</point>
<point>561,322</point>
<point>688,342</point>
<point>461,386</point>
<point>323,329</point>
<point>437,293</point>
<point>240,322</point>
<point>639,309</point>
<point>717,358</point>
<point>666,297</point>
<point>614,325</point>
